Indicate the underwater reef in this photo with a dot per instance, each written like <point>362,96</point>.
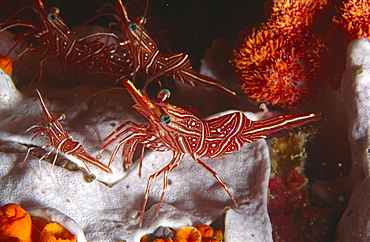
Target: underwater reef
<point>309,183</point>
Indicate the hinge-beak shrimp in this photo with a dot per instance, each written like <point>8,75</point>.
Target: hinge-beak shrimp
<point>145,54</point>
<point>173,128</point>
<point>54,40</point>
<point>51,128</point>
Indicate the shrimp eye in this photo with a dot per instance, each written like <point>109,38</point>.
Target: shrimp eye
<point>48,125</point>
<point>52,16</point>
<point>55,10</point>
<point>163,95</point>
<point>141,20</point>
<point>90,178</point>
<point>62,116</point>
<point>165,119</point>
<point>132,26</point>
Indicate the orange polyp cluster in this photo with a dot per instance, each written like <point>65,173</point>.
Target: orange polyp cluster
<point>17,225</point>
<point>6,64</point>
<point>278,61</point>
<point>202,233</point>
<point>15,222</point>
<point>354,18</point>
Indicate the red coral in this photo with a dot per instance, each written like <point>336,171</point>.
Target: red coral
<point>354,18</point>
<point>287,193</point>
<point>278,61</point>
<point>292,216</point>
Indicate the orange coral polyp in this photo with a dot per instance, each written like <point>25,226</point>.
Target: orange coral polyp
<point>355,18</point>
<point>10,239</point>
<point>205,230</point>
<point>15,222</point>
<point>188,234</point>
<point>6,64</point>
<point>162,240</point>
<point>54,232</point>
<point>17,225</point>
<point>277,62</point>
<point>219,235</point>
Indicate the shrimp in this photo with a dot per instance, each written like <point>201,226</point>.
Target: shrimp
<point>55,40</point>
<point>59,140</point>
<point>174,129</point>
<point>145,54</point>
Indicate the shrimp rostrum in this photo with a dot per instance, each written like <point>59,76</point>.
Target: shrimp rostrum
<point>173,128</point>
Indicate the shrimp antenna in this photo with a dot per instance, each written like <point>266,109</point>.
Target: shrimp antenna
<point>93,95</point>
<point>19,121</point>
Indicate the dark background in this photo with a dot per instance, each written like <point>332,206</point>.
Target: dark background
<point>187,26</point>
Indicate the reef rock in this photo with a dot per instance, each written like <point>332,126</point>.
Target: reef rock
<point>111,213</point>
<point>355,222</point>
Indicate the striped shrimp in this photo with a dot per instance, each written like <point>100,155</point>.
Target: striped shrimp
<point>174,129</point>
<point>59,140</point>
